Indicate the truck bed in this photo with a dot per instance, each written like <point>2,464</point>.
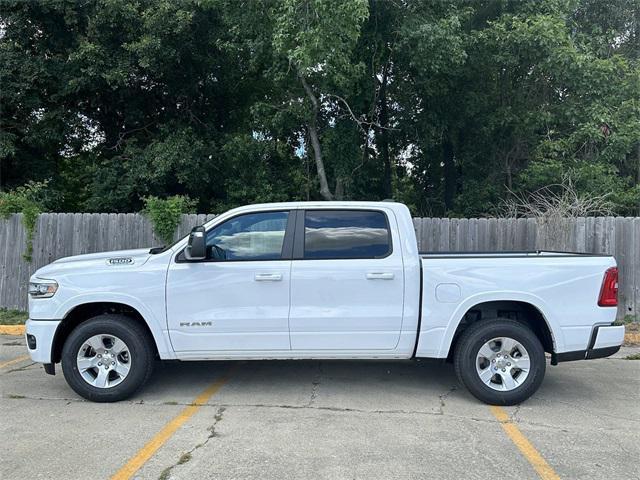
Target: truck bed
<point>562,286</point>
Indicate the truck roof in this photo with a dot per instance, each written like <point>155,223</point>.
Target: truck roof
<point>333,203</point>
<point>322,204</point>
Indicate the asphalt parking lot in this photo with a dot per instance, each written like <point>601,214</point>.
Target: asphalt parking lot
<point>328,419</point>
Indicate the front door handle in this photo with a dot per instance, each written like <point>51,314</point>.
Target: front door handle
<point>380,276</point>
<point>268,277</point>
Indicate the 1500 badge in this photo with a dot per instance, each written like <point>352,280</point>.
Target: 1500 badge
<point>120,261</point>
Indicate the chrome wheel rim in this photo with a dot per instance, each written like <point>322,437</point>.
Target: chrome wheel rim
<point>104,361</point>
<point>503,364</point>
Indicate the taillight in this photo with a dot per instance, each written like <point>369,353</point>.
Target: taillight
<point>609,290</point>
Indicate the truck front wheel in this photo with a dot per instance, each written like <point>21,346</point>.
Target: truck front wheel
<point>107,358</point>
<point>501,362</point>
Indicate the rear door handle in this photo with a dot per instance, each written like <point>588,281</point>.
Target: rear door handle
<point>268,277</point>
<point>380,276</point>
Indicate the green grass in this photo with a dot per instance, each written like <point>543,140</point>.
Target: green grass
<point>635,356</point>
<point>628,320</point>
<point>166,473</point>
<point>12,317</point>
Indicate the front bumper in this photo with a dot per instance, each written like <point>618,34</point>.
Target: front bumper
<point>605,341</point>
<point>43,333</point>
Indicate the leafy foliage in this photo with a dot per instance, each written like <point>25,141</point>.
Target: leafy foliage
<point>27,200</point>
<point>448,106</point>
<point>13,317</point>
<point>165,214</point>
<point>318,36</point>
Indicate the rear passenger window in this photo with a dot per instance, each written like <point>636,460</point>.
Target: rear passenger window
<point>346,234</point>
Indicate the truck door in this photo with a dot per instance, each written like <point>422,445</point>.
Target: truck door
<point>238,297</point>
<point>347,282</point>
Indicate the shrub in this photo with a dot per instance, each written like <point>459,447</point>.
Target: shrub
<point>165,214</point>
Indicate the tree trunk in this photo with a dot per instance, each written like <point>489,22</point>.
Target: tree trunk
<point>638,159</point>
<point>508,173</point>
<point>339,195</point>
<point>383,134</point>
<point>638,172</point>
<point>312,127</point>
<point>449,173</point>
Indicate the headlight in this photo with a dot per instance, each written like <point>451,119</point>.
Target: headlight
<point>42,289</point>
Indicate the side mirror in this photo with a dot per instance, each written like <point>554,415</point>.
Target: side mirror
<point>197,247</point>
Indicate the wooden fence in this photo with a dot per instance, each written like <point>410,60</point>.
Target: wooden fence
<point>63,234</point>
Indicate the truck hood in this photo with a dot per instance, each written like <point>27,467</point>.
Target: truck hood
<point>119,259</point>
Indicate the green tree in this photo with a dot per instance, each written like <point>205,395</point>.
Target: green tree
<point>449,106</point>
<point>317,38</point>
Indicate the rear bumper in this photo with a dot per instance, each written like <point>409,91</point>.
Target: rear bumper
<point>43,333</point>
<point>583,354</point>
<point>607,336</point>
<point>605,341</point>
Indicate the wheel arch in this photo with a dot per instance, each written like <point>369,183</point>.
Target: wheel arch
<point>523,311</point>
<point>85,311</point>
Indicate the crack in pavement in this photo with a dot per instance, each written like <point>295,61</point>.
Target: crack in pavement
<point>438,413</point>
<point>330,409</point>
<point>514,414</point>
<point>316,384</point>
<point>391,412</point>
<point>21,369</point>
<point>444,396</point>
<point>186,457</point>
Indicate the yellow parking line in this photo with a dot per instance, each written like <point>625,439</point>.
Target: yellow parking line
<point>146,452</point>
<point>12,329</point>
<point>15,360</point>
<point>526,448</point>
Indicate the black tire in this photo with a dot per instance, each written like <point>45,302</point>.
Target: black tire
<point>141,356</point>
<point>468,346</point>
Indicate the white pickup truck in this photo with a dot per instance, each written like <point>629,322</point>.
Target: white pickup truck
<point>320,280</point>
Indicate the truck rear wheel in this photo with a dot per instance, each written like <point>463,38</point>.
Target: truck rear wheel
<point>501,362</point>
<point>107,358</point>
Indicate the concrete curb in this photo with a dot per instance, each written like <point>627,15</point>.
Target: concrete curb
<point>12,329</point>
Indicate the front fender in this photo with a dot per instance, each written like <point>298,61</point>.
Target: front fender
<point>154,323</point>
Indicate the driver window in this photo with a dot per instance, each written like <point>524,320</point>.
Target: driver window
<point>253,236</point>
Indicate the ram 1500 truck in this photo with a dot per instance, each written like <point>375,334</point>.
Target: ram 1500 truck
<point>320,280</point>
